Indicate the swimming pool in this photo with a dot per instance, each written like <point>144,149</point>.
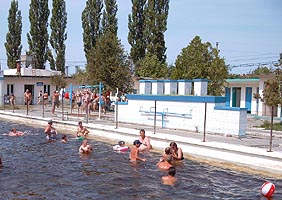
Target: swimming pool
<point>34,169</point>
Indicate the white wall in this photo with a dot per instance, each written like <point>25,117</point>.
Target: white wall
<point>218,121</point>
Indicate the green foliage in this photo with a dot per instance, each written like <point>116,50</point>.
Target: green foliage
<point>58,35</point>
<point>262,70</point>
<point>58,81</point>
<point>271,95</point>
<point>136,37</point>
<point>91,19</point>
<point>201,60</point>
<point>267,126</point>
<point>80,76</point>
<point>150,66</point>
<point>109,20</point>
<point>156,24</point>
<point>38,35</point>
<point>108,64</point>
<point>13,37</point>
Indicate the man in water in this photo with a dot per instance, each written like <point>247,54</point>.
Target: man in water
<point>14,132</point>
<point>50,131</point>
<point>170,179</point>
<point>85,147</point>
<point>134,153</point>
<point>81,130</point>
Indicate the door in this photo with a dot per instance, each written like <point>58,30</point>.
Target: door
<point>248,99</point>
<point>227,97</point>
<point>236,97</point>
<point>31,89</point>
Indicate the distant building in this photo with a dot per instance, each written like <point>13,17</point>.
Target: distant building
<point>24,77</point>
<point>240,93</point>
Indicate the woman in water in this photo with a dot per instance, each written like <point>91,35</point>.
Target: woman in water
<point>177,153</point>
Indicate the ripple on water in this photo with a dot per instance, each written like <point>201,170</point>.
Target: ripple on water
<point>34,169</point>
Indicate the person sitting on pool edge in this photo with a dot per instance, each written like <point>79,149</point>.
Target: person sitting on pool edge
<point>177,153</point>
<point>14,132</point>
<point>50,131</point>
<point>81,130</point>
<point>134,153</point>
<point>85,147</point>
<point>145,140</point>
<point>170,179</point>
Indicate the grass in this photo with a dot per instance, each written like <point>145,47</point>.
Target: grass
<point>276,126</point>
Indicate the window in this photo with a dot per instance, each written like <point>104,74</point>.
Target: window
<point>10,89</point>
<point>47,89</point>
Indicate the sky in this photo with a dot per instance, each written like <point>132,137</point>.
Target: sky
<point>248,32</point>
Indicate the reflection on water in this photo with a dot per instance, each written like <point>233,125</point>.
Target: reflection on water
<point>34,169</point>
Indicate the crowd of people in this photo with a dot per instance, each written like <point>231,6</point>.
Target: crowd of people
<point>140,146</point>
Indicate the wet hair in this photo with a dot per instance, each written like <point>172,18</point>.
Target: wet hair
<point>121,143</point>
<point>171,171</point>
<point>168,150</point>
<point>80,122</point>
<point>173,144</point>
<point>64,137</point>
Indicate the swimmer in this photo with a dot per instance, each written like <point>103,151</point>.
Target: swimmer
<point>135,152</point>
<point>64,139</point>
<point>177,153</point>
<point>165,163</point>
<point>170,179</point>
<point>50,131</point>
<point>167,152</point>
<point>120,146</point>
<point>85,147</point>
<point>81,130</point>
<point>14,132</point>
<point>0,162</point>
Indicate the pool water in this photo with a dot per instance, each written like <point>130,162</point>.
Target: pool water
<point>34,169</point>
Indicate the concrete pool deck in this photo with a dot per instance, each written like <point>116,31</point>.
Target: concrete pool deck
<point>249,153</point>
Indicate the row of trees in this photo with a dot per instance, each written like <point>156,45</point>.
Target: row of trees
<point>38,36</point>
<point>107,61</point>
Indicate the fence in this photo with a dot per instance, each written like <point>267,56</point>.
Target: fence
<point>256,136</point>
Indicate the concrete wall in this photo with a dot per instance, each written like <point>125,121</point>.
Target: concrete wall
<point>184,113</point>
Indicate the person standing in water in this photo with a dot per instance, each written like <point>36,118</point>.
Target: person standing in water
<point>85,147</point>
<point>134,153</point>
<point>50,131</point>
<point>170,179</point>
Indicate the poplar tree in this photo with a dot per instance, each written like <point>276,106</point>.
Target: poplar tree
<point>38,34</point>
<point>109,21</point>
<point>58,35</point>
<point>13,37</point>
<point>108,61</point>
<point>156,25</point>
<point>136,25</point>
<point>91,24</point>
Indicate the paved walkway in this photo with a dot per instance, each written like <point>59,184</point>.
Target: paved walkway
<point>251,150</point>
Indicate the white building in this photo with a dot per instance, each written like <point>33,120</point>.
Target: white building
<point>17,80</point>
<point>240,93</point>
